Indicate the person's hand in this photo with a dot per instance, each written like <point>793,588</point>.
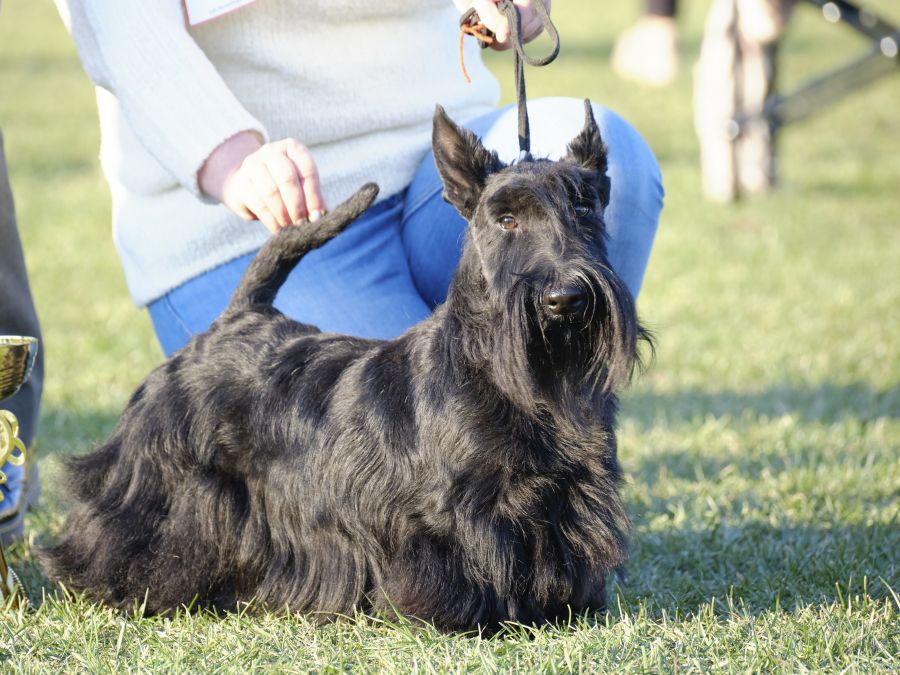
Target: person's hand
<point>276,183</point>
<point>496,21</point>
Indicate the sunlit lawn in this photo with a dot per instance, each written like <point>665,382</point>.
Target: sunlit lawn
<point>761,448</point>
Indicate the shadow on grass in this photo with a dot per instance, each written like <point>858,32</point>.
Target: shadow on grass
<point>763,567</point>
<point>757,567</point>
<point>826,403</point>
<point>679,568</point>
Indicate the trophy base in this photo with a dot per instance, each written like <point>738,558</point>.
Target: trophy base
<point>12,593</point>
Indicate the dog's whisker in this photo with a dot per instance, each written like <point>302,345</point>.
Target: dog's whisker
<point>583,277</point>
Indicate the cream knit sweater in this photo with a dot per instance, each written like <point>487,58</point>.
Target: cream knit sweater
<point>356,81</point>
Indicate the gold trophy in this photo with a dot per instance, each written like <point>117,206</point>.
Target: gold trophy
<point>16,360</point>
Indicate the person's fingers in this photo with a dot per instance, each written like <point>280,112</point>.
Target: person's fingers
<point>233,196</point>
<point>262,213</point>
<point>266,189</point>
<point>285,176</point>
<point>278,185</point>
<point>535,26</point>
<point>253,198</point>
<point>494,19</point>
<point>314,200</point>
<point>309,178</point>
<point>240,208</point>
<point>531,25</point>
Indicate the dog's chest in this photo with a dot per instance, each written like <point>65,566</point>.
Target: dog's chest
<point>525,489</point>
<point>529,498</point>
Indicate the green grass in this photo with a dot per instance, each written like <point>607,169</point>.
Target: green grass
<point>761,448</point>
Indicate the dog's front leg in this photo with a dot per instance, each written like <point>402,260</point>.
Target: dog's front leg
<point>428,579</point>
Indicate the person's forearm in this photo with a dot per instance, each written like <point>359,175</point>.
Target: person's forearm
<point>171,95</point>
<point>224,161</point>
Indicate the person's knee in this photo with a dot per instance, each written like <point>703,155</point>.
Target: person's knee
<point>633,171</point>
<point>636,198</point>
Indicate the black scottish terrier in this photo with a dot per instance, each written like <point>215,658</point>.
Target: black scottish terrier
<point>464,473</point>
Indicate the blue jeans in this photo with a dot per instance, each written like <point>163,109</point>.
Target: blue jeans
<point>390,268</point>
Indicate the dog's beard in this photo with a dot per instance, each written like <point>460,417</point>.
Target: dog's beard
<point>566,362</point>
<point>614,331</point>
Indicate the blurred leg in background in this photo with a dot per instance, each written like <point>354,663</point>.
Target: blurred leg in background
<point>17,317</point>
<point>648,51</point>
<point>734,76</point>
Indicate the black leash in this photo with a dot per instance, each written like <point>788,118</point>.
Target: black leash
<point>470,24</point>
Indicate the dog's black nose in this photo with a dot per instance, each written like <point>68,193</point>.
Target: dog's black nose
<point>565,300</point>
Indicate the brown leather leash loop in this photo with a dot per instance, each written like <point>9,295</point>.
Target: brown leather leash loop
<point>470,24</point>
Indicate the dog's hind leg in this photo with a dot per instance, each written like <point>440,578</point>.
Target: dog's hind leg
<point>121,503</point>
<point>191,555</point>
<point>135,541</point>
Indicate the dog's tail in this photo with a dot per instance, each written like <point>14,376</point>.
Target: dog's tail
<point>283,251</point>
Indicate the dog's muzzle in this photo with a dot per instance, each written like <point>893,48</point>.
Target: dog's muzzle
<point>565,300</point>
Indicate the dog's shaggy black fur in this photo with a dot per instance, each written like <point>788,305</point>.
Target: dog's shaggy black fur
<point>464,473</point>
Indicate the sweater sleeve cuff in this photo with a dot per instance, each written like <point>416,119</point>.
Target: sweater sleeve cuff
<point>196,151</point>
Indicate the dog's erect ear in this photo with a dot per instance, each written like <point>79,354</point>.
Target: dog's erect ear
<point>462,162</point>
<point>588,150</point>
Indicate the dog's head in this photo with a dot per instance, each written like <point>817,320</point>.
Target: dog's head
<point>537,235</point>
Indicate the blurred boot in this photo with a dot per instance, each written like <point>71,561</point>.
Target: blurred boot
<point>648,51</point>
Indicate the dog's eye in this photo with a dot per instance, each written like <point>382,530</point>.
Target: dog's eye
<point>582,210</point>
<point>507,222</point>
